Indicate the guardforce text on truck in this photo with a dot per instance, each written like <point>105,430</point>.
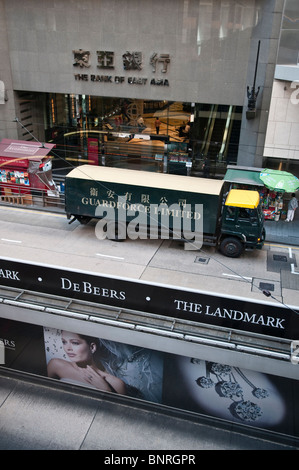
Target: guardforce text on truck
<point>233,222</point>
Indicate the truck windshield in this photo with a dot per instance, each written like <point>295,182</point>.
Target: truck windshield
<point>242,214</point>
<point>248,214</point>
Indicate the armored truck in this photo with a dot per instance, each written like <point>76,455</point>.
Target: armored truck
<point>199,211</point>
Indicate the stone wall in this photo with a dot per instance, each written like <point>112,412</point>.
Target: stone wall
<point>282,137</point>
<point>209,50</point>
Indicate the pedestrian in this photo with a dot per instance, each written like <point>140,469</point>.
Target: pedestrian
<point>186,130</point>
<point>140,123</point>
<point>157,125</point>
<point>206,167</point>
<point>292,206</point>
<point>124,111</point>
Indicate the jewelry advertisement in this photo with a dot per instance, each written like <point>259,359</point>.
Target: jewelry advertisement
<point>211,389</point>
<point>231,393</point>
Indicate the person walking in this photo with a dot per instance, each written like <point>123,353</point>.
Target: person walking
<point>292,206</point>
<point>206,167</point>
<point>157,125</point>
<point>140,123</point>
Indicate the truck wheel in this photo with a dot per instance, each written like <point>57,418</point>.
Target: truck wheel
<point>83,219</point>
<point>263,235</point>
<point>231,247</point>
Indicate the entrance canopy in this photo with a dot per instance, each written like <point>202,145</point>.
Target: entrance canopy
<point>243,175</point>
<point>23,150</point>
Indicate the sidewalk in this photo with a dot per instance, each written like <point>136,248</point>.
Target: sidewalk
<point>282,232</point>
<point>50,417</point>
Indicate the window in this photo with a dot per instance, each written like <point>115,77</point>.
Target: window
<point>230,213</point>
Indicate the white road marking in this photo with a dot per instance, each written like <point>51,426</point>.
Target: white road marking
<point>109,256</point>
<point>234,275</point>
<point>10,241</point>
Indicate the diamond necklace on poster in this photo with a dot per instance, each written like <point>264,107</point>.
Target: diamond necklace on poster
<point>227,387</point>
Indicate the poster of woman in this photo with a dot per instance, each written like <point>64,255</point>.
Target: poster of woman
<point>104,365</point>
<point>217,390</point>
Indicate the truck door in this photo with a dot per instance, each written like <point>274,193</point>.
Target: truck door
<point>242,225</point>
<point>247,222</point>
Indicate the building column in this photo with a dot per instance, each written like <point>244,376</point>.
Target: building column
<point>8,128</point>
<point>254,127</point>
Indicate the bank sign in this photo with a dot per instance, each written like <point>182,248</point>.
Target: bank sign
<point>240,314</point>
<point>111,72</point>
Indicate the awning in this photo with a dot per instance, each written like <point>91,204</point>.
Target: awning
<point>243,175</point>
<point>243,198</point>
<point>22,148</point>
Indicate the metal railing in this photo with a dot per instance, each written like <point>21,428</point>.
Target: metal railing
<point>35,198</point>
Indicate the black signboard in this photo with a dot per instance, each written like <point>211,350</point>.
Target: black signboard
<point>234,313</point>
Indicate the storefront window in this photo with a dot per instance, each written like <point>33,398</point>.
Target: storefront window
<point>158,136</point>
<point>216,135</point>
<point>288,49</point>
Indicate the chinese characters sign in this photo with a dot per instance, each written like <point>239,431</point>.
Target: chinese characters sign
<point>131,61</point>
<point>111,195</point>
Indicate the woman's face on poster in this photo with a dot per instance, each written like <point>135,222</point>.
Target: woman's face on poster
<point>76,348</point>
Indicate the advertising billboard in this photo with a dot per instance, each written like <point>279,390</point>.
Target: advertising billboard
<point>218,310</point>
<point>216,390</point>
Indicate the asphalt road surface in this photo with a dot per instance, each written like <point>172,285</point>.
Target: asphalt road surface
<point>47,238</point>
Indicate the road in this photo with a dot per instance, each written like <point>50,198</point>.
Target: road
<point>47,238</point>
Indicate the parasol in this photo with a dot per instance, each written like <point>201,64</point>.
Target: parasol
<point>279,181</point>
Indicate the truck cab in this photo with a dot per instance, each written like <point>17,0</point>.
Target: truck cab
<point>242,223</point>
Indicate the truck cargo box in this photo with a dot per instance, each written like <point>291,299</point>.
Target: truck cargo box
<point>88,187</point>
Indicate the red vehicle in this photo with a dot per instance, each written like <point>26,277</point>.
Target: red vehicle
<point>25,169</point>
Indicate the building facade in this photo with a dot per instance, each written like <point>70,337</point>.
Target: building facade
<point>282,137</point>
<point>96,82</point>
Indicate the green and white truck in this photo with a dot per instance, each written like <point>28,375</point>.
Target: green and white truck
<point>156,205</point>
